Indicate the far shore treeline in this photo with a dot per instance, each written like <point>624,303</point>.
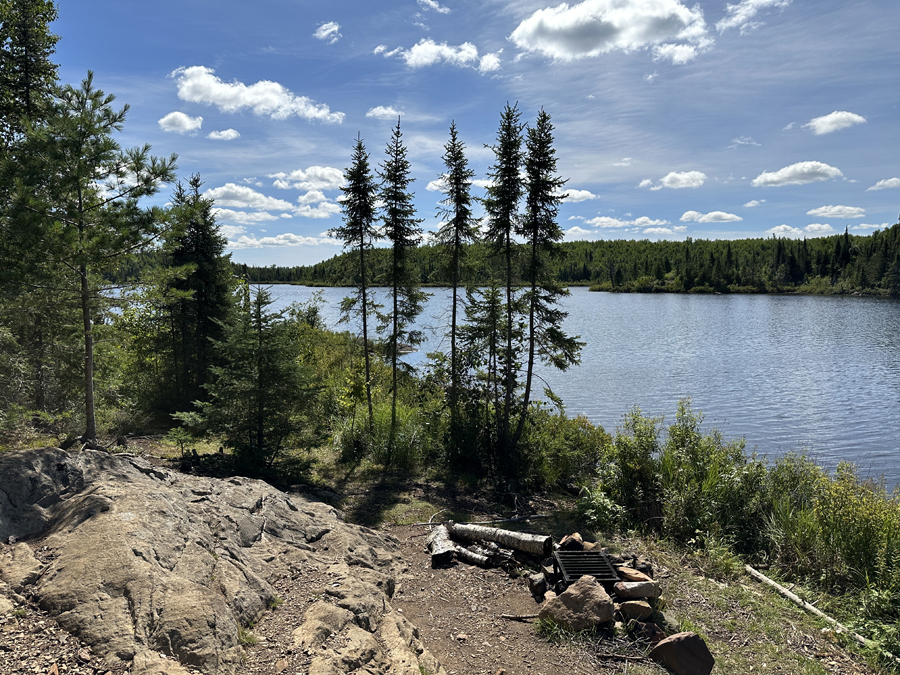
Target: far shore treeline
<point>839,264</point>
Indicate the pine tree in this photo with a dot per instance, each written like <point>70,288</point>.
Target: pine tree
<point>402,229</point>
<point>358,234</point>
<point>76,194</point>
<point>542,234</point>
<point>459,229</point>
<point>501,206</point>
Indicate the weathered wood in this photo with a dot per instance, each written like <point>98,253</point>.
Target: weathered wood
<point>468,556</point>
<point>535,544</point>
<point>759,576</point>
<point>441,546</point>
<point>519,617</point>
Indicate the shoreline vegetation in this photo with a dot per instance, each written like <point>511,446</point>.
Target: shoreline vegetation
<point>841,264</point>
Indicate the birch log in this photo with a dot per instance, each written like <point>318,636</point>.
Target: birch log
<point>440,545</point>
<point>471,557</point>
<point>535,544</point>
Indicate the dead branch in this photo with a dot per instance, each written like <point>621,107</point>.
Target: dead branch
<point>519,617</point>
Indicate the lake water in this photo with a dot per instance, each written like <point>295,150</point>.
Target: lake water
<point>784,372</point>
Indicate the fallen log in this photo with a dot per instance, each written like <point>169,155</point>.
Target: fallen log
<point>839,627</point>
<point>471,557</point>
<point>535,544</point>
<point>440,545</point>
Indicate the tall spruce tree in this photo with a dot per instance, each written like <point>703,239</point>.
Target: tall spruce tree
<point>501,207</point>
<point>541,233</point>
<point>77,194</point>
<point>358,234</point>
<point>459,229</point>
<point>402,229</point>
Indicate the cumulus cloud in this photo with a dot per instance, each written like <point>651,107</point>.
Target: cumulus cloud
<point>578,196</point>
<point>594,27</point>
<point>434,6</point>
<point>242,217</point>
<point>811,230</point>
<point>837,212</point>
<point>868,226</point>
<point>242,196</point>
<point>659,230</point>
<point>180,123</point>
<point>328,31</point>
<point>885,184</point>
<point>711,217</point>
<point>489,63</point>
<point>313,178</point>
<point>786,231</point>
<point>384,112</point>
<point>800,173</point>
<point>199,84</point>
<point>437,185</point>
<point>286,239</point>
<point>676,180</point>
<point>754,202</point>
<point>606,222</point>
<point>818,229</point>
<point>427,52</point>
<point>839,119</point>
<point>314,204</point>
<point>741,15</point>
<point>226,135</point>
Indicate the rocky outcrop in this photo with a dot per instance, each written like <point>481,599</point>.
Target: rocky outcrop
<point>163,569</point>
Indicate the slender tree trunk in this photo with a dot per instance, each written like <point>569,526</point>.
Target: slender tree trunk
<point>395,346</point>
<point>454,377</point>
<point>90,432</point>
<point>508,385</point>
<point>531,343</point>
<point>365,333</point>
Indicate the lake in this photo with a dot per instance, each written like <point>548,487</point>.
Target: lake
<point>784,372</point>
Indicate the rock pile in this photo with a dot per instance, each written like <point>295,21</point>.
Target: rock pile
<point>165,571</point>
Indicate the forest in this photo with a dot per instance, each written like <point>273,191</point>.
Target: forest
<point>120,318</point>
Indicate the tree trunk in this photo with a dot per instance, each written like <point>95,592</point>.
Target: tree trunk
<point>365,330</point>
<point>440,545</point>
<point>468,556</point>
<point>535,544</point>
<point>90,431</point>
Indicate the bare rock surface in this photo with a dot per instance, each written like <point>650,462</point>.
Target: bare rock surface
<point>582,605</point>
<point>163,572</point>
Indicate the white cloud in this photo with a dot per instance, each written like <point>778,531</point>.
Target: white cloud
<point>885,184</point>
<point>711,217</point>
<point>198,84</point>
<point>594,27</point>
<point>818,229</point>
<point>626,161</point>
<point>314,204</point>
<point>680,228</point>
<point>581,233</point>
<point>788,127</point>
<point>242,217</point>
<point>253,181</point>
<point>180,123</point>
<point>314,178</point>
<point>286,239</point>
<point>578,196</point>
<point>489,63</point>
<point>226,135</point>
<point>659,230</point>
<point>676,180</point>
<point>231,231</point>
<point>384,112</point>
<point>741,15</point>
<point>839,119</point>
<point>437,185</point>
<point>783,231</point>
<point>800,173</point>
<point>435,6</point>
<point>609,222</point>
<point>427,52</point>
<point>868,226</point>
<point>754,202</point>
<point>241,196</point>
<point>328,31</point>
<point>742,140</point>
<point>837,212</point>
<point>652,76</point>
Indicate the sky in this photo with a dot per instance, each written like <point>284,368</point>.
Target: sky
<point>713,120</point>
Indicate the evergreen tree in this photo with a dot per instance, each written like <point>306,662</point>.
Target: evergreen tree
<point>260,393</point>
<point>459,228</point>
<point>542,234</point>
<point>358,234</point>
<point>77,194</point>
<point>501,207</point>
<point>402,229</point>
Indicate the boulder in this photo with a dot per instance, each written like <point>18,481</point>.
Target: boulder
<point>635,609</point>
<point>635,590</point>
<point>581,606</point>
<point>160,569</point>
<point>572,542</point>
<point>684,654</point>
<point>630,574</point>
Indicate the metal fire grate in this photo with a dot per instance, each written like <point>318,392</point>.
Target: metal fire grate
<point>573,565</point>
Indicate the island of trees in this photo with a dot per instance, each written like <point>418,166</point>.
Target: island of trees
<point>189,346</point>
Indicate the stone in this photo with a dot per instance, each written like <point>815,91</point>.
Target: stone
<point>635,590</point>
<point>159,568</point>
<point>281,665</point>
<point>635,609</point>
<point>684,654</point>
<point>537,586</point>
<point>581,606</point>
<point>630,574</point>
<point>642,564</point>
<point>572,542</point>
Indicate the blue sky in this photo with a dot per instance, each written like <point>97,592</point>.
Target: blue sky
<point>713,120</point>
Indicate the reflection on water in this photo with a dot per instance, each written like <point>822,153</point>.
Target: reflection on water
<point>784,372</point>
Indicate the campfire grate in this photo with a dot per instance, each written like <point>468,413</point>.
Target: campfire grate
<point>573,565</point>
